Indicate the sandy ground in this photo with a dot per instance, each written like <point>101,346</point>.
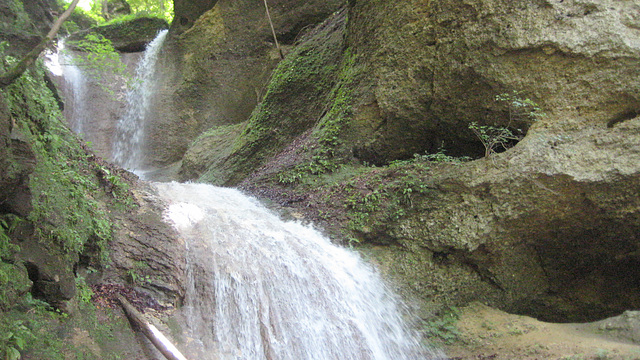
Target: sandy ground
<point>486,333</point>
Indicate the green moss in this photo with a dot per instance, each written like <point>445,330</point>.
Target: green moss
<point>16,20</point>
<point>42,334</point>
<point>67,210</point>
<point>294,102</point>
<point>328,130</point>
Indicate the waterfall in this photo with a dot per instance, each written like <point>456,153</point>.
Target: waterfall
<point>259,288</point>
<point>128,147</point>
<point>61,63</point>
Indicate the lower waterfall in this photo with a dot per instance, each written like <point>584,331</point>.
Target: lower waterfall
<point>259,288</point>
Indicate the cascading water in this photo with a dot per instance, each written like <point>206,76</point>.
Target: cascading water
<point>259,288</point>
<point>262,289</point>
<point>61,63</point>
<point>128,146</point>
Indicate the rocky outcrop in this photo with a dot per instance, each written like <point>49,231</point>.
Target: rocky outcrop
<point>434,67</point>
<point>547,228</point>
<point>17,161</point>
<point>215,73</point>
<point>186,12</point>
<point>128,36</point>
<point>25,29</point>
<point>292,104</point>
<point>147,250</point>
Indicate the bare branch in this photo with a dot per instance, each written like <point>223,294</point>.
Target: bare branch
<point>18,69</point>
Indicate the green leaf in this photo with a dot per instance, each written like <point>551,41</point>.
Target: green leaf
<point>13,353</point>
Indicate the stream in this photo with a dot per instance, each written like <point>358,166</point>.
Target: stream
<point>259,288</point>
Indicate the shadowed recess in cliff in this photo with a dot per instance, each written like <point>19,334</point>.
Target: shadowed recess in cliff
<point>261,288</point>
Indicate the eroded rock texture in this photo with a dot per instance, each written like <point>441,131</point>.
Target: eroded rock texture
<point>215,73</point>
<point>548,228</point>
<point>436,66</point>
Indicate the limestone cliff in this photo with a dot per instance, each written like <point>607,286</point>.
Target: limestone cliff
<point>215,72</point>
<point>540,229</point>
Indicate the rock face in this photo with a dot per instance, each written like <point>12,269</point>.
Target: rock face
<point>130,36</point>
<point>93,105</point>
<point>437,66</point>
<point>548,228</point>
<point>186,12</point>
<point>215,73</point>
<point>16,163</point>
<point>148,250</point>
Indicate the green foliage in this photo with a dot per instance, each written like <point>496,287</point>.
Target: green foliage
<point>14,338</point>
<point>63,184</point>
<point>16,18</point>
<point>494,137</point>
<point>520,110</point>
<point>156,8</point>
<point>39,333</point>
<point>7,225</point>
<point>444,328</point>
<point>381,196</point>
<point>135,276</point>
<point>9,276</point>
<point>118,188</point>
<point>84,291</point>
<point>99,57</point>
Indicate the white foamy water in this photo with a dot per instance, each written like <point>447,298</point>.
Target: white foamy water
<point>259,288</point>
<point>128,147</point>
<point>74,92</point>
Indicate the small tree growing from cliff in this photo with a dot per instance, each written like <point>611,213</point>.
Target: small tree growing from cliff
<point>502,137</point>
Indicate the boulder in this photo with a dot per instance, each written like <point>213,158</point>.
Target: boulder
<point>215,73</point>
<point>435,67</point>
<point>127,36</point>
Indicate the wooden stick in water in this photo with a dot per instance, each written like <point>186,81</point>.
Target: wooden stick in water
<point>151,332</point>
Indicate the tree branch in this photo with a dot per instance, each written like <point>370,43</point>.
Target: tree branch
<point>273,31</point>
<point>18,69</point>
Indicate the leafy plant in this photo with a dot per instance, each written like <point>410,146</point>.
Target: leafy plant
<point>502,137</point>
<point>520,108</point>
<point>15,337</point>
<point>63,183</point>
<point>444,328</point>
<point>494,137</point>
<point>84,291</point>
<point>99,57</point>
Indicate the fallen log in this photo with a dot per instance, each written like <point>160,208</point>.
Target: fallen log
<point>151,332</point>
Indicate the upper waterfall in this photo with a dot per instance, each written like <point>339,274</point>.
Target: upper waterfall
<point>128,147</point>
<point>259,288</point>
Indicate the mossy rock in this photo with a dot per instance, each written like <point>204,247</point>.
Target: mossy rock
<point>126,36</point>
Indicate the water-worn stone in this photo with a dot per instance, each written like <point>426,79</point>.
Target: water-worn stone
<point>127,36</point>
<point>436,66</point>
<point>214,74</point>
<point>547,228</point>
<point>145,251</point>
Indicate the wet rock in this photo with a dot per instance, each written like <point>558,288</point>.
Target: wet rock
<point>435,67</point>
<point>128,36</point>
<point>215,73</point>
<point>146,252</point>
